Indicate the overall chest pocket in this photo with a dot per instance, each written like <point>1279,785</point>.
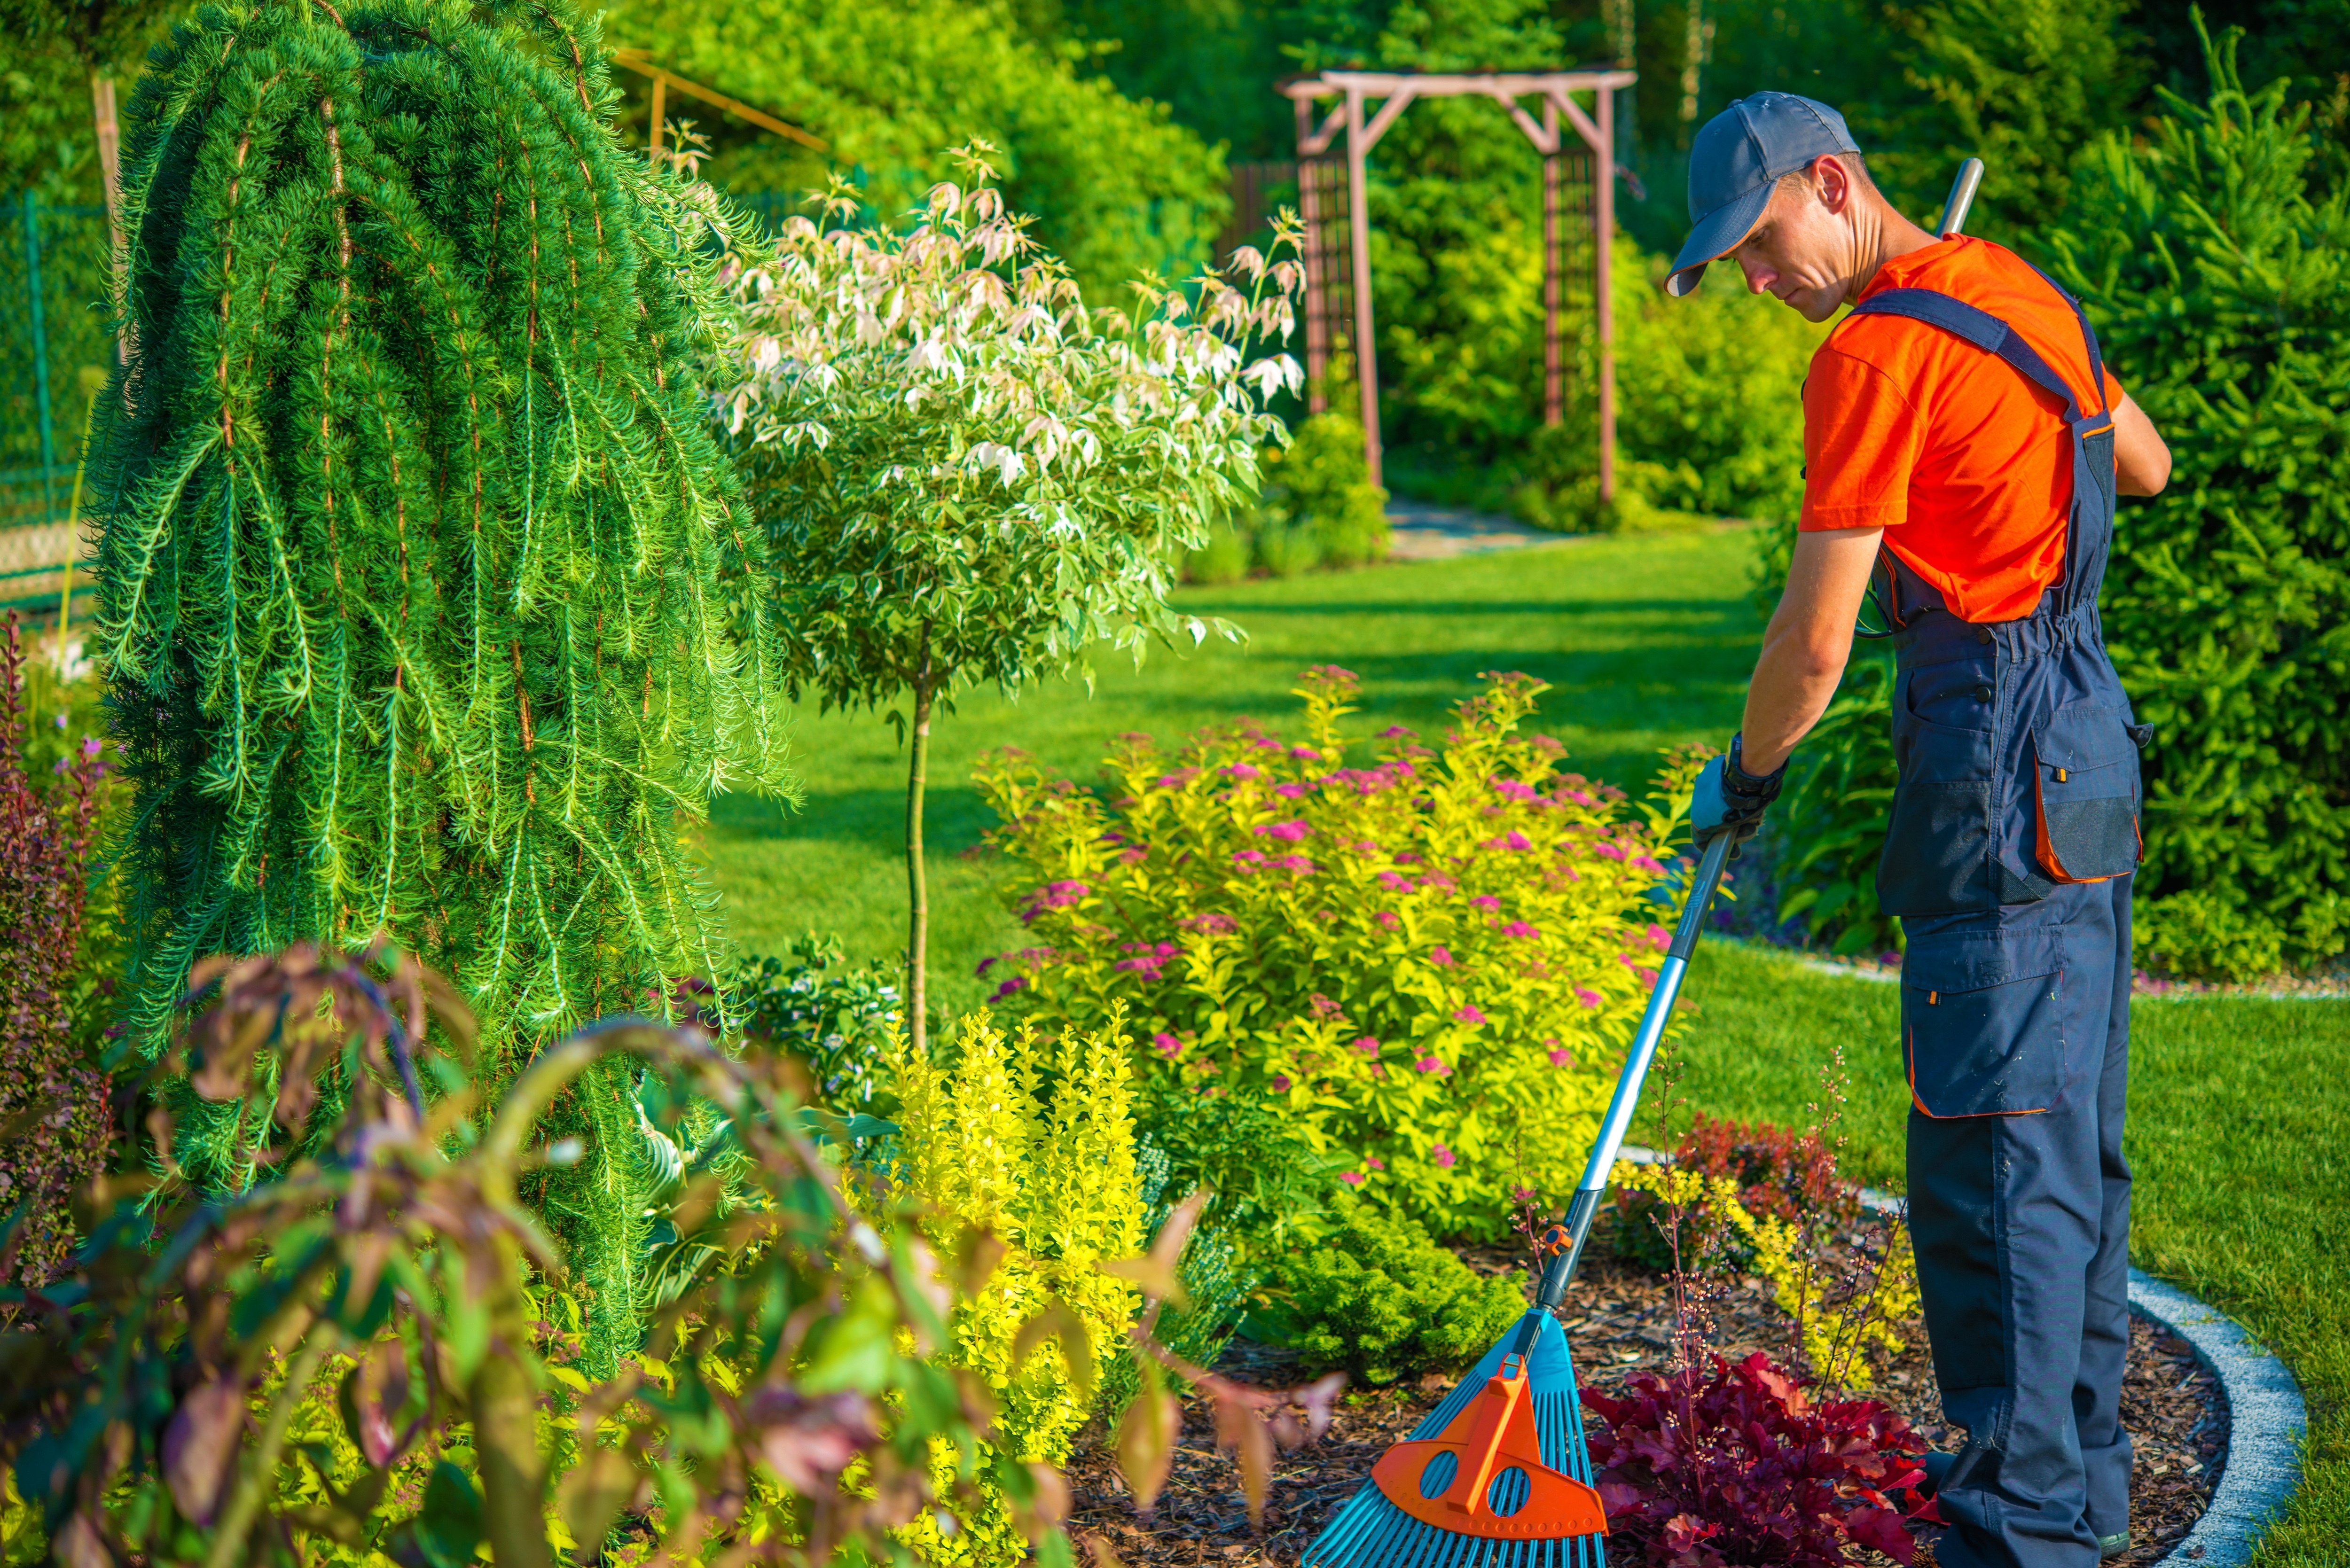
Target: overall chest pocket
<point>1983,1025</point>
<point>2084,794</point>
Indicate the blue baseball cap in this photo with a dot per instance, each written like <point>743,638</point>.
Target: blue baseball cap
<point>1736,159</point>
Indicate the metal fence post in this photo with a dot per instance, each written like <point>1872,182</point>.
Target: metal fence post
<point>40,348</point>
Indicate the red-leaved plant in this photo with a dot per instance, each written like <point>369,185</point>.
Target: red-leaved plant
<point>1739,1467</point>
<point>53,1108</point>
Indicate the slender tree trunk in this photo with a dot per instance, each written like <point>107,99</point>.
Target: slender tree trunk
<point>918,903</point>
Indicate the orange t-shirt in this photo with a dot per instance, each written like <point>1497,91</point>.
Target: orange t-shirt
<point>1964,463</point>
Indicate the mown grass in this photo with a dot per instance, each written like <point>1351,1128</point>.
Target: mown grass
<point>2240,1113</point>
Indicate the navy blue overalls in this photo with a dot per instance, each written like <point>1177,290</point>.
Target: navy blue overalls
<point>2008,857</point>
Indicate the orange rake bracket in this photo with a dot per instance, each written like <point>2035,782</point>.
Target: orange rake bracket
<point>1483,1474</point>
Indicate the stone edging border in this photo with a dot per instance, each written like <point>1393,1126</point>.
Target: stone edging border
<point>2267,1423</point>
<point>2268,1420</point>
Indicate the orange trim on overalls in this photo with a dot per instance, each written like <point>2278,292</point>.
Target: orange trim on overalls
<point>2048,860</point>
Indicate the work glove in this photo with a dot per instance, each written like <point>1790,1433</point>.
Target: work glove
<point>1731,800</point>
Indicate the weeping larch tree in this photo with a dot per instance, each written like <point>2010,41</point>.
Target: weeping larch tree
<point>421,570</point>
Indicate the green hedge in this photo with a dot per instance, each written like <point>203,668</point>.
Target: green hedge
<point>2214,258</point>
<point>2215,261</point>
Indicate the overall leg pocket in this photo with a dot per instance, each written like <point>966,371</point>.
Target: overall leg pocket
<point>2084,794</point>
<point>1982,1028</point>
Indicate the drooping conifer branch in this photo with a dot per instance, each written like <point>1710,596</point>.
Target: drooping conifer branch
<point>421,572</point>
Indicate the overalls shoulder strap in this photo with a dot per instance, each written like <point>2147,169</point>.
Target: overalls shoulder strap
<point>2088,532</point>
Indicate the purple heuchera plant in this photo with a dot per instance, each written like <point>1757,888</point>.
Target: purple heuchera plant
<point>1738,1464</point>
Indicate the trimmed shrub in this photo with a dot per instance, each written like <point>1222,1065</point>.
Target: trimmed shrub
<point>1426,962</point>
<point>2213,251</point>
<point>1380,1298</point>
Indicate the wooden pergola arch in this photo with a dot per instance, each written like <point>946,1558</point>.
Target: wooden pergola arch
<point>1393,92</point>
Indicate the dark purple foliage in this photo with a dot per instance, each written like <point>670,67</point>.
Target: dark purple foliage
<point>1739,1467</point>
<point>53,1112</point>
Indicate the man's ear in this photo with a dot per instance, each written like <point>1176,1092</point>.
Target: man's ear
<point>1832,182</point>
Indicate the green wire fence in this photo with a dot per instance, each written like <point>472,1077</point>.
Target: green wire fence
<point>56,342</point>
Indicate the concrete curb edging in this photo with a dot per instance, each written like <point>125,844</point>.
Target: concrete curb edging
<point>2267,1423</point>
<point>2268,1420</point>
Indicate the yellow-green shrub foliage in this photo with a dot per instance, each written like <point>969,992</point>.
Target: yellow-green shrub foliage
<point>985,1149</point>
<point>1430,963</point>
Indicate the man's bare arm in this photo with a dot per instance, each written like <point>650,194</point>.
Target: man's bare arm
<point>1808,643</point>
<point>2141,463</point>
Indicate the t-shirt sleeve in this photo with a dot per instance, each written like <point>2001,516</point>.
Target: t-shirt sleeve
<point>1862,440</point>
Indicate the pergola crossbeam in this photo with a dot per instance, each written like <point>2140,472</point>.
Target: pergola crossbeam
<point>1395,91</point>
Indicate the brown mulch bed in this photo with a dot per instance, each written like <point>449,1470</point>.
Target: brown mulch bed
<point>1620,1320</point>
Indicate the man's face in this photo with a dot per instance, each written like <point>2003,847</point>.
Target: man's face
<point>1801,253</point>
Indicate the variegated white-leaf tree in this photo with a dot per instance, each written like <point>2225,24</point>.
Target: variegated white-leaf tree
<point>967,474</point>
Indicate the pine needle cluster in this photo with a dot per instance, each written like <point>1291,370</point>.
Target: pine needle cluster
<point>425,584</point>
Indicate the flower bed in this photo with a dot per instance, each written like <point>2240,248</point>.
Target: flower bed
<point>1622,1323</point>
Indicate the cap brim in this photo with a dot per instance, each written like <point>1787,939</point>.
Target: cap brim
<point>1717,235</point>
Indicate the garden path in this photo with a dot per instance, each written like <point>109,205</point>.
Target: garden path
<point>1424,531</point>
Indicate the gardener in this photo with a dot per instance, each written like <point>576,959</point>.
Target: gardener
<point>1963,445</point>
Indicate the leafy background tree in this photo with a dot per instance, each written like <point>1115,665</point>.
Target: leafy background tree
<point>1119,189</point>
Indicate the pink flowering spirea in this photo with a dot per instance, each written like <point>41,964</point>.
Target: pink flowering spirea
<point>1248,856</point>
<point>1659,939</point>
<point>1169,1046</point>
<point>1486,901</point>
<point>1398,732</point>
<point>1441,957</point>
<point>1433,1065</point>
<point>1367,1044</point>
<point>1519,929</point>
<point>1212,923</point>
<point>1175,779</point>
<point>1442,1156</point>
<point>1470,1016</point>
<point>1293,832</point>
<point>1511,789</point>
<point>1351,1178</point>
<point>1240,771</point>
<point>1375,1162</point>
<point>1387,919</point>
<point>1613,852</point>
<point>1517,840</point>
<point>1305,755</point>
<point>1292,791</point>
<point>1297,863</point>
<point>1395,882</point>
<point>1590,998</point>
<point>1281,1083</point>
<point>1133,856</point>
<point>1560,1056</point>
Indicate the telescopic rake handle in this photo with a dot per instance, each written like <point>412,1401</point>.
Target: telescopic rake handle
<point>1962,196</point>
<point>1559,1273</point>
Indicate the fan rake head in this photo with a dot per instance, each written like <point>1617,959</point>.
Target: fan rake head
<point>1498,1477</point>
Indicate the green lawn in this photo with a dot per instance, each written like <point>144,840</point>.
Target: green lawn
<point>2239,1124</point>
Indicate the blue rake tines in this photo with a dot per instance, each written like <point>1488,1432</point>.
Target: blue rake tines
<point>1369,1532</point>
